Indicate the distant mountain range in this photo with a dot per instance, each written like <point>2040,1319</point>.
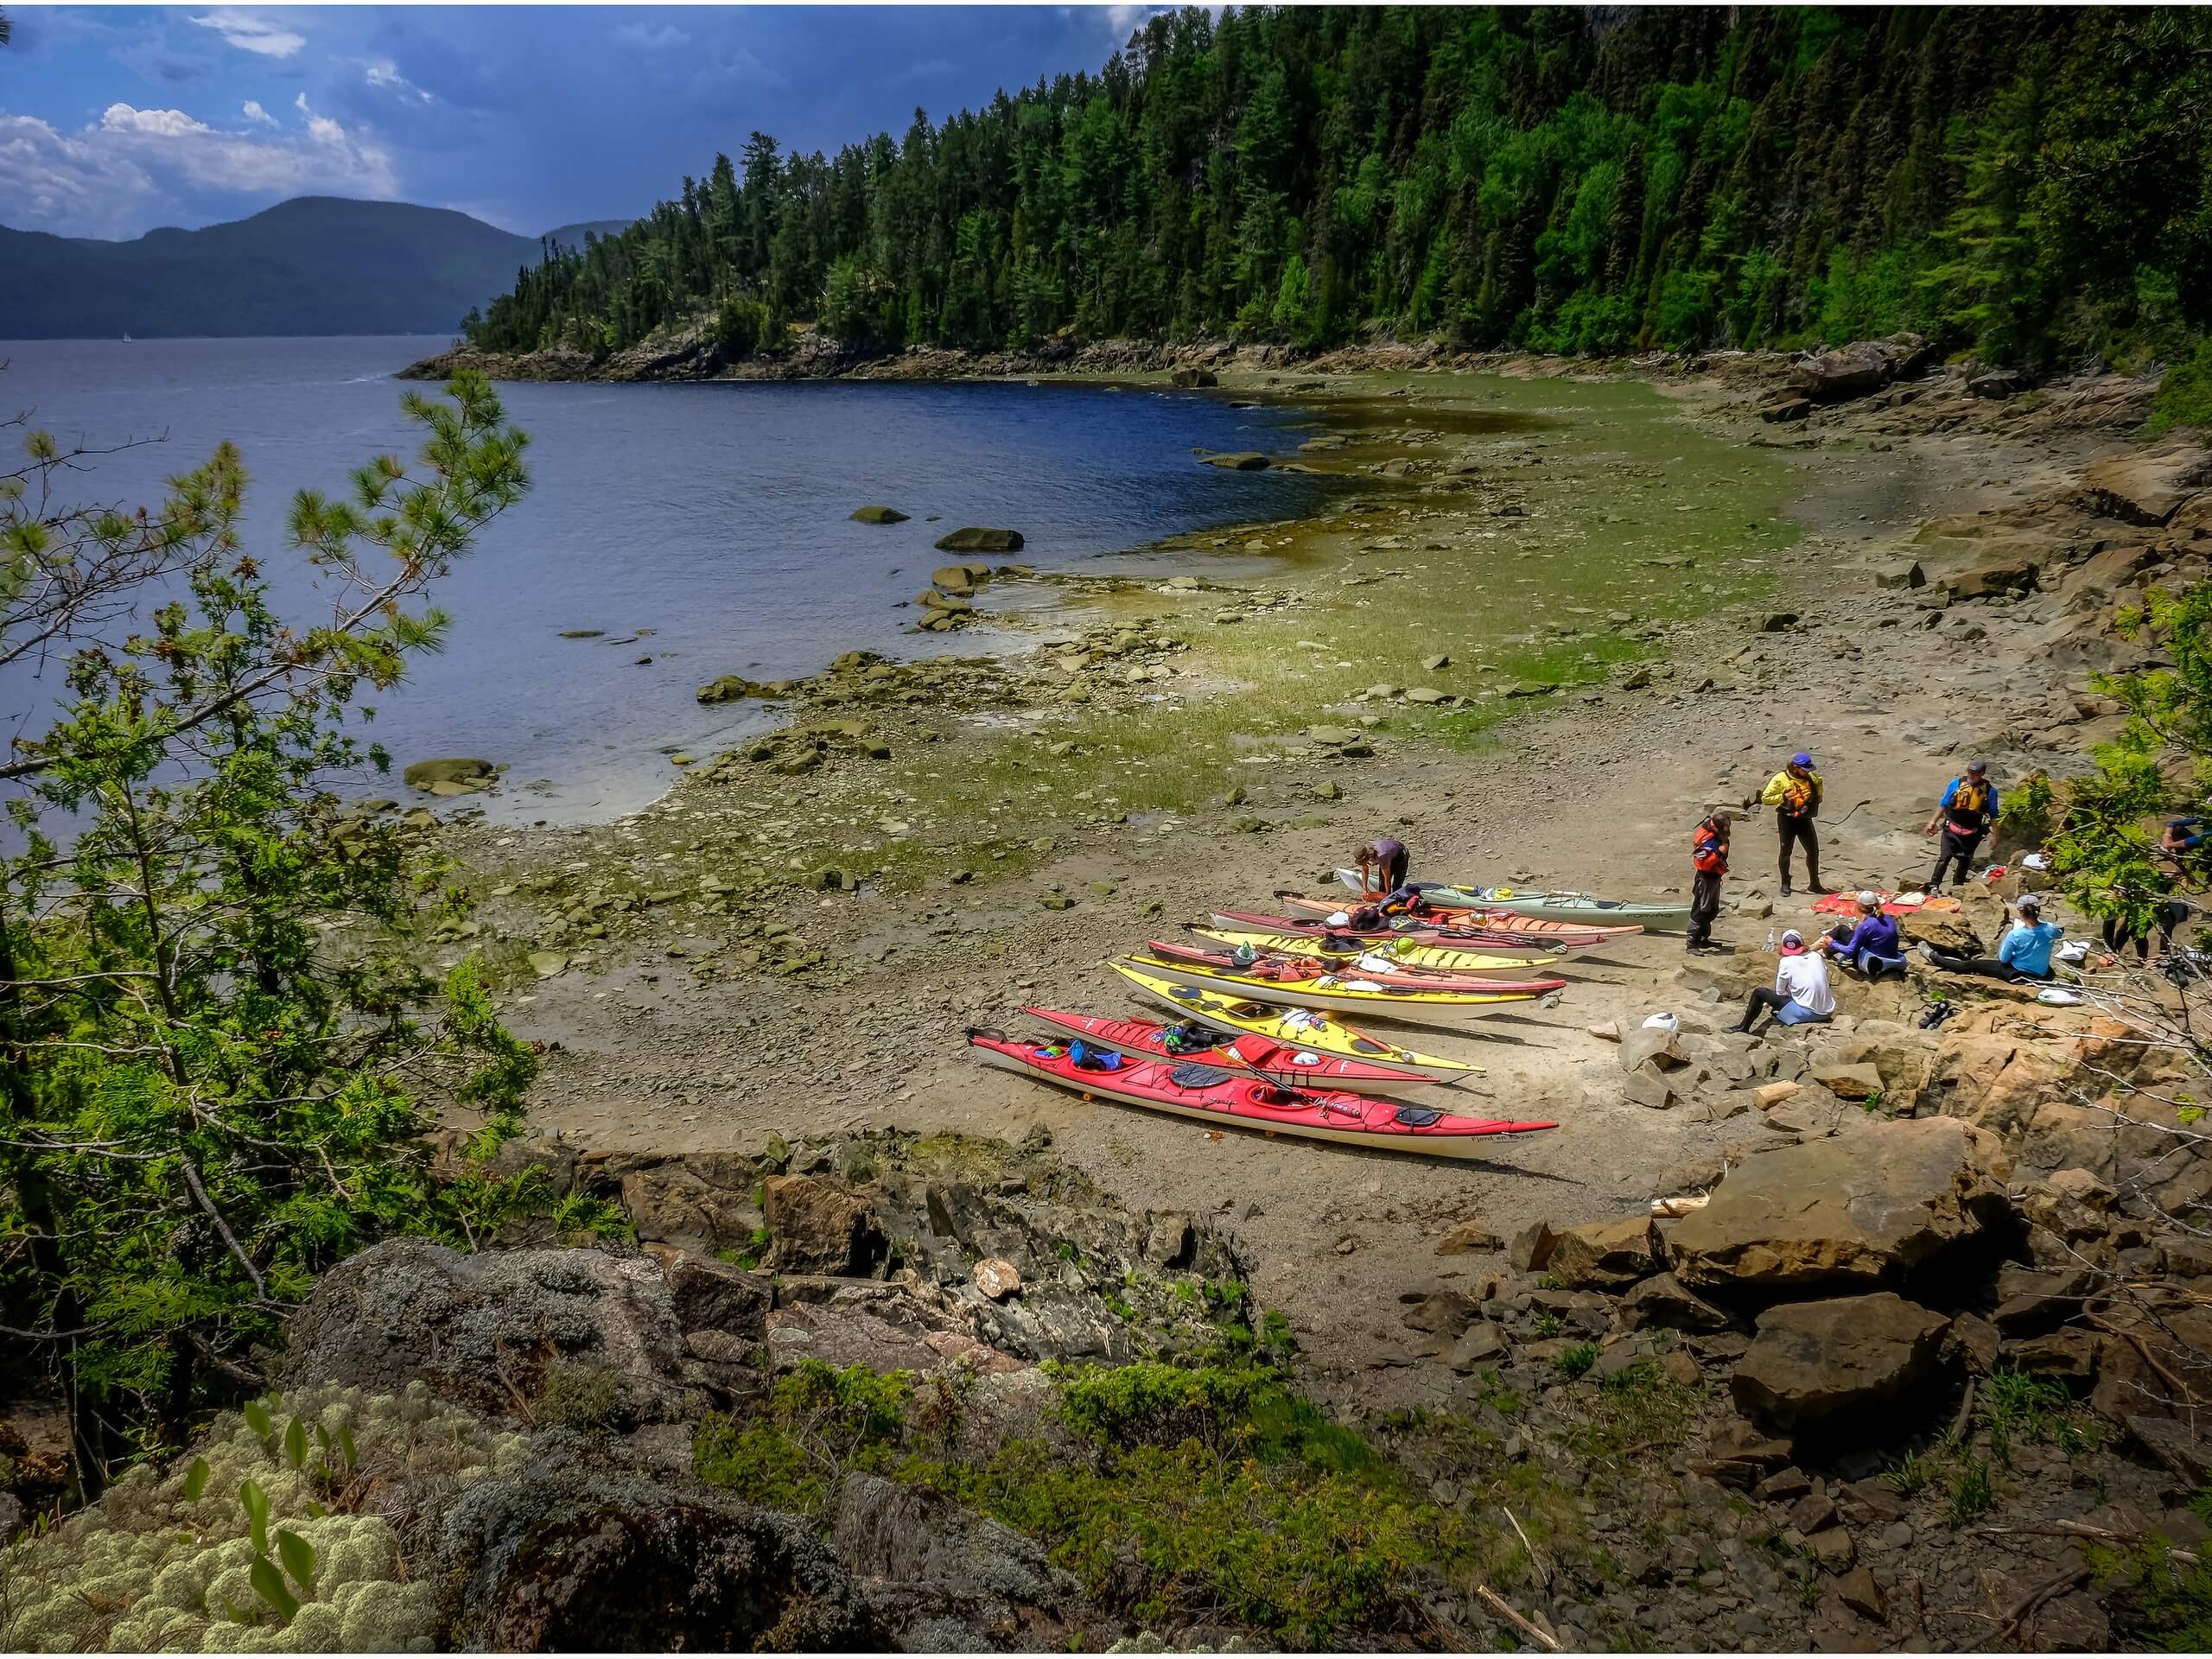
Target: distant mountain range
<point>314,265</point>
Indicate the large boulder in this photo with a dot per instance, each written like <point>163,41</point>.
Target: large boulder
<point>672,1203</point>
<point>710,1295</point>
<point>1814,1362</point>
<point>1664,1303</point>
<point>974,539</point>
<point>2145,487</point>
<point>567,1555</point>
<point>1863,366</point>
<point>1863,1210</point>
<point>817,1228</point>
<point>484,1329</point>
<point>946,1578</point>
<point>1607,1255</point>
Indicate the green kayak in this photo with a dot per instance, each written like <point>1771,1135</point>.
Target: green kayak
<point>1548,906</point>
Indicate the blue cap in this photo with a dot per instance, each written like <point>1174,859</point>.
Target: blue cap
<point>1802,758</point>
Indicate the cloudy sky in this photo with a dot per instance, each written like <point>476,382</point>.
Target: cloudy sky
<point>114,120</point>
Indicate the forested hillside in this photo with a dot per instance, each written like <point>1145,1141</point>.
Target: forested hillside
<point>2028,184</point>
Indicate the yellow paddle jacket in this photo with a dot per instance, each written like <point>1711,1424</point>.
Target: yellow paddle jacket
<point>1781,788</point>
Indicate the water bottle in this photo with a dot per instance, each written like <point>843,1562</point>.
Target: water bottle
<point>1769,939</point>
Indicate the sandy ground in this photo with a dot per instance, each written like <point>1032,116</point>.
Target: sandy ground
<point>1596,794</point>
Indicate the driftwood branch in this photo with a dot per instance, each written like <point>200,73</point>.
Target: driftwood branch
<point>1504,1609</point>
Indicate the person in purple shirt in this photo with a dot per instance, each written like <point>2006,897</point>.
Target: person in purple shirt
<point>1383,864</point>
<point>1872,946</point>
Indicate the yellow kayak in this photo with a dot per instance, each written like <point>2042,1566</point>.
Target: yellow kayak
<point>1303,1027</point>
<point>1348,992</point>
<point>1403,953</point>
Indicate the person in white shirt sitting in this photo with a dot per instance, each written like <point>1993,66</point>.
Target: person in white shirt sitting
<point>1800,994</point>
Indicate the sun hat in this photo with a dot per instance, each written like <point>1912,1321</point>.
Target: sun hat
<point>1870,899</point>
<point>1793,943</point>
<point>1802,758</point>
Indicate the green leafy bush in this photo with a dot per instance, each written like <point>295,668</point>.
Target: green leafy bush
<point>2184,395</point>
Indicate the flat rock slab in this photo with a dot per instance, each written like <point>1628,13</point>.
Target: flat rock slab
<point>1856,1211</point>
<point>2145,488</point>
<point>1814,1362</point>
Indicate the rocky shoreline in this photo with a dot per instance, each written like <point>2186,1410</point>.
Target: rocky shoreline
<point>1910,1362</point>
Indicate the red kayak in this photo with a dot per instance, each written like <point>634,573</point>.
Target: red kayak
<point>1498,941</point>
<point>1211,1095</point>
<point>1567,935</point>
<point>1262,964</point>
<point>1245,1051</point>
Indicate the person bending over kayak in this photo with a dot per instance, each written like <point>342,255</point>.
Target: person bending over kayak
<point>1383,864</point>
<point>1795,794</point>
<point>1709,859</point>
<point>2023,954</point>
<point>1800,994</point>
<point>1872,946</point>
<point>1969,806</point>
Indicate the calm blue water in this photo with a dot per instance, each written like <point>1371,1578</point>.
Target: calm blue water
<point>713,515</point>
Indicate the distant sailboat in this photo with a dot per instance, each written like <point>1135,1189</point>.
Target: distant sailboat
<point>127,340</point>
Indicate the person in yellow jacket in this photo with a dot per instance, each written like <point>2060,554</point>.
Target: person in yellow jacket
<point>1795,794</point>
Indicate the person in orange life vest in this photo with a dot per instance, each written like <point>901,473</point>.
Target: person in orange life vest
<point>1969,806</point>
<point>1709,860</point>
<point>1795,794</point>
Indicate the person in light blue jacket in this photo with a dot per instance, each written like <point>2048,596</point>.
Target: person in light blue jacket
<point>2023,954</point>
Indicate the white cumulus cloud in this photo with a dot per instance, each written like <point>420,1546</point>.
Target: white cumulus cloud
<point>253,111</point>
<point>134,167</point>
<point>384,74</point>
<point>79,186</point>
<point>250,32</point>
<point>151,124</point>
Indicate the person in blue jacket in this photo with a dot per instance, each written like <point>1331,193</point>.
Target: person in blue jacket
<point>1969,806</point>
<point>1872,946</point>
<point>2023,954</point>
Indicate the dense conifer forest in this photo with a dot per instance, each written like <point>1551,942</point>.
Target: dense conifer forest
<point>2026,184</point>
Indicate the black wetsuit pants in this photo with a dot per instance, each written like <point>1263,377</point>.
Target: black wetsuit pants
<point>1798,829</point>
<point>1959,847</point>
<point>1705,904</point>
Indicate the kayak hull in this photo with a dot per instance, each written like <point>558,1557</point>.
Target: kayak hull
<point>1279,1062</point>
<point>1416,980</point>
<point>1331,1000</point>
<point>1409,953</point>
<point>1300,1026</point>
<point>1341,1120</point>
